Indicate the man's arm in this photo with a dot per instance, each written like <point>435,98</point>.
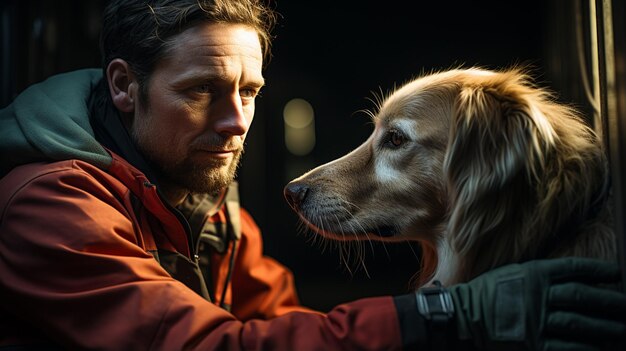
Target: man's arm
<point>262,287</point>
<point>538,305</point>
<point>73,266</point>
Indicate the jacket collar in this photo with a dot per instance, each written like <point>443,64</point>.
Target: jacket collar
<point>111,133</point>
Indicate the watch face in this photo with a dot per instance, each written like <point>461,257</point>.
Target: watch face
<point>435,301</point>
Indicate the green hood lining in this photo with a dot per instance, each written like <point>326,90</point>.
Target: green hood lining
<point>49,121</point>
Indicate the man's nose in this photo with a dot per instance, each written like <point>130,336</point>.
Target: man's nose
<point>232,120</point>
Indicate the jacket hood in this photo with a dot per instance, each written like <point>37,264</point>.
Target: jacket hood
<point>62,118</point>
<point>49,121</point>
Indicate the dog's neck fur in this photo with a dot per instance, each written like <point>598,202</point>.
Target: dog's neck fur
<point>593,237</point>
<point>447,263</point>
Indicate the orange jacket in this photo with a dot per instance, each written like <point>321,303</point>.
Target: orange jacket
<point>78,270</point>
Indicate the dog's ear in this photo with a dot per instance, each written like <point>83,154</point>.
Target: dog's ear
<point>498,144</point>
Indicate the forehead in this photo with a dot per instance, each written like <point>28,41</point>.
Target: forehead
<point>421,108</point>
<point>216,46</point>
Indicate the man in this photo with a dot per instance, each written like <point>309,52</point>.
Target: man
<point>121,229</point>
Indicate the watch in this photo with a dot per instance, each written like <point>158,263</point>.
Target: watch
<point>436,306</point>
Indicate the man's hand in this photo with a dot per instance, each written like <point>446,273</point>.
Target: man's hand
<point>543,305</point>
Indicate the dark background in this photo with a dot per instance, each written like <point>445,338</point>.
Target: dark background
<point>334,54</point>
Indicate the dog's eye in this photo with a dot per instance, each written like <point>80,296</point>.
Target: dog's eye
<point>394,138</point>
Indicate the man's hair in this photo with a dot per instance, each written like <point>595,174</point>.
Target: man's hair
<point>138,31</point>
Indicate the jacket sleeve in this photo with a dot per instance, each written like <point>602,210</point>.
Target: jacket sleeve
<point>262,287</point>
<point>72,267</point>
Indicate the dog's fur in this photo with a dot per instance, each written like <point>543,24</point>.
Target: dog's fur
<point>482,167</point>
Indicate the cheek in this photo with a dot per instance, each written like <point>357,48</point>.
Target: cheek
<point>413,172</point>
<point>157,137</point>
<point>145,133</point>
<point>355,174</point>
<point>386,171</point>
<point>176,125</point>
<point>248,112</point>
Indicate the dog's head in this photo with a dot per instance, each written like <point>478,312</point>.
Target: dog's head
<point>483,163</point>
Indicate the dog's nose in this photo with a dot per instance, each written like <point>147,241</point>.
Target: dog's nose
<point>295,193</point>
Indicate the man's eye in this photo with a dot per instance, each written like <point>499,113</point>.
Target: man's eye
<point>203,89</point>
<point>248,93</point>
<point>394,139</point>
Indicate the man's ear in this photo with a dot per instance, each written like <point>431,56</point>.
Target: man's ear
<point>123,85</point>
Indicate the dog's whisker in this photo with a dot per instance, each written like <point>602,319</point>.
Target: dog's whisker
<point>410,244</point>
<point>368,113</point>
<point>358,261</point>
<point>345,252</point>
<point>386,251</point>
<point>355,220</point>
<point>321,222</point>
<point>344,259</point>
<point>507,166</point>
<point>349,204</point>
<point>367,273</point>
<point>361,229</point>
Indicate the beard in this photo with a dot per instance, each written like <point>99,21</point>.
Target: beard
<point>208,175</point>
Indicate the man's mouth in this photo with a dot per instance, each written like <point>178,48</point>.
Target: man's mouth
<point>219,153</point>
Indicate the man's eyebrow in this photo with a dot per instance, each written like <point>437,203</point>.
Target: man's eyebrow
<point>208,77</point>
<point>257,83</point>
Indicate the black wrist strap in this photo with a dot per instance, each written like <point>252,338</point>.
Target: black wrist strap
<point>436,306</point>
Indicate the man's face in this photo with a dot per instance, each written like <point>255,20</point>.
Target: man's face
<point>200,106</point>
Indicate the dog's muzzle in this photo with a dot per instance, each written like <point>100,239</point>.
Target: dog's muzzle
<point>295,193</point>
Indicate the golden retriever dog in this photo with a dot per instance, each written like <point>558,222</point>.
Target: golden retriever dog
<point>482,167</point>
